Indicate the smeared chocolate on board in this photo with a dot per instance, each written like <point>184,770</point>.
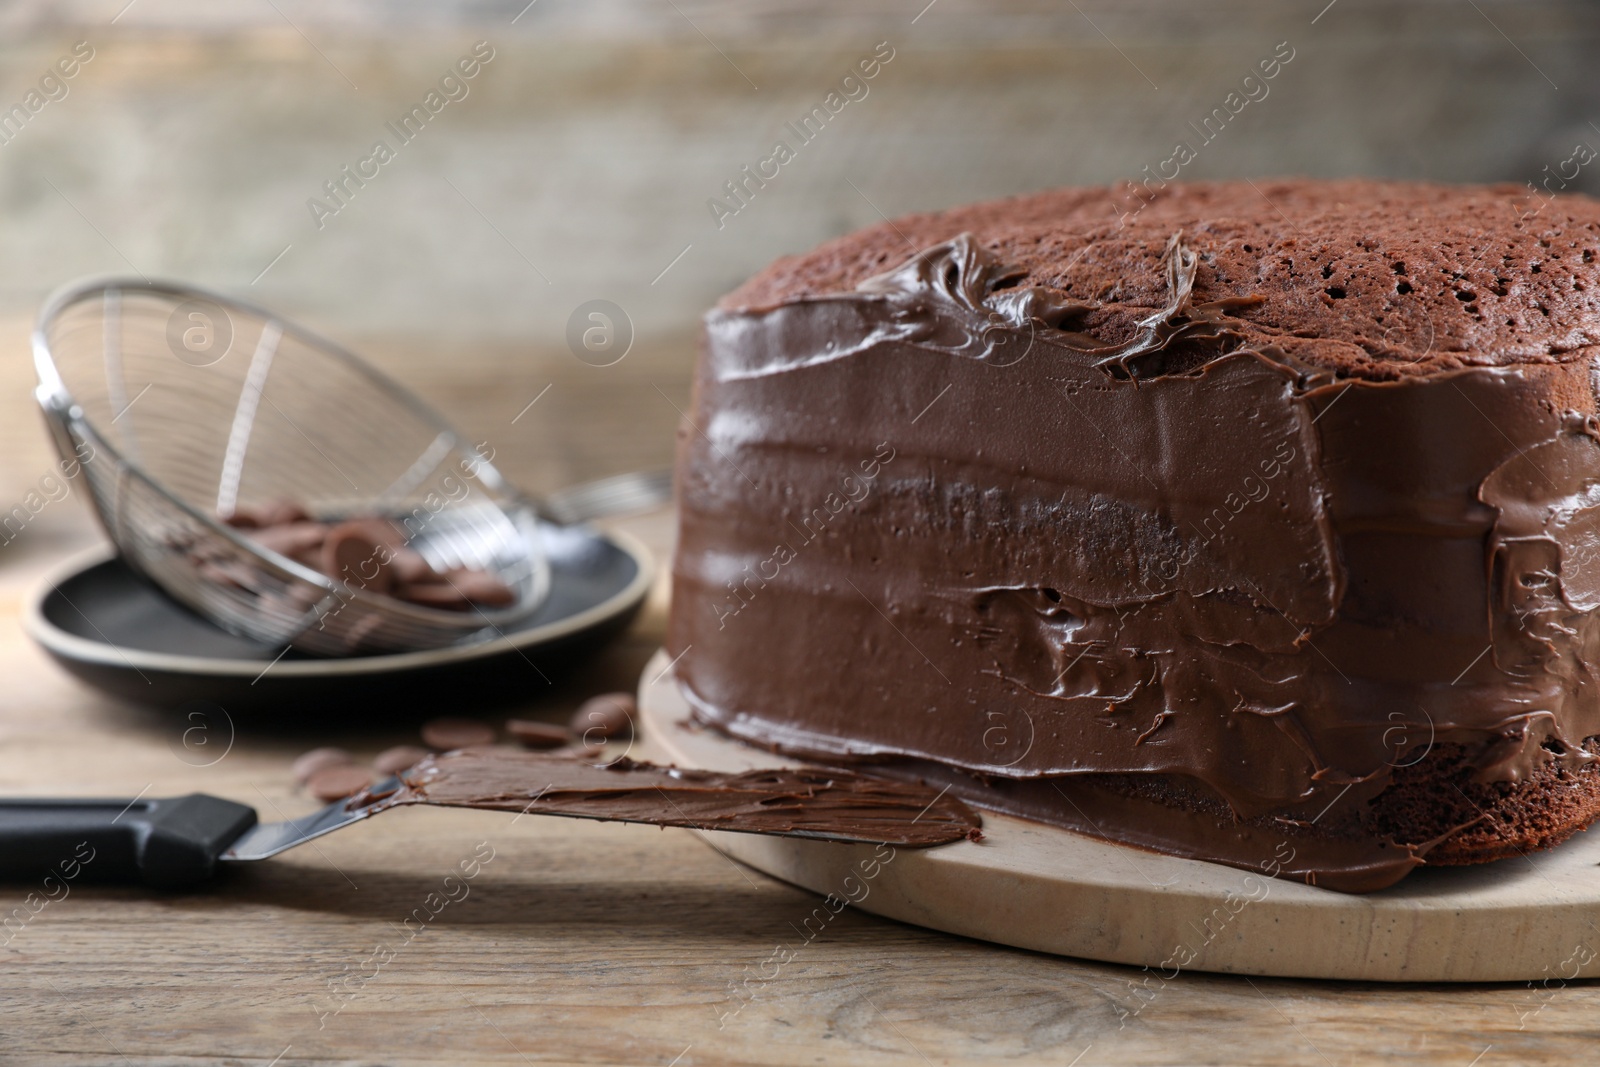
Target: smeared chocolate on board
<point>830,804</point>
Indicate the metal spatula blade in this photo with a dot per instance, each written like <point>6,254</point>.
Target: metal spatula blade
<point>266,839</point>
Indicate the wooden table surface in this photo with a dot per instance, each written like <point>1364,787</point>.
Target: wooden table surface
<point>578,942</point>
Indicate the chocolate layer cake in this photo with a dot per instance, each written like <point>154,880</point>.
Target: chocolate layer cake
<point>1259,524</point>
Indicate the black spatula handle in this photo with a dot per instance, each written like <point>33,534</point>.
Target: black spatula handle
<point>167,843</point>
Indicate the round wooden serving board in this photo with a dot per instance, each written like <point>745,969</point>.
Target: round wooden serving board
<point>1038,887</point>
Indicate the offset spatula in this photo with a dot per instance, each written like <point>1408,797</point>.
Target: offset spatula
<point>181,840</point>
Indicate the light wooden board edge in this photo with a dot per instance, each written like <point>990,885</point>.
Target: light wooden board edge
<point>1039,887</point>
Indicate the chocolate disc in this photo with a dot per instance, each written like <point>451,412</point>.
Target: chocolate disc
<point>243,518</point>
<point>409,566</point>
<point>351,554</point>
<point>396,759</point>
<point>432,595</point>
<point>336,783</point>
<point>537,734</point>
<point>609,715</point>
<point>309,763</point>
<point>281,513</point>
<point>481,587</point>
<point>293,539</point>
<point>447,734</point>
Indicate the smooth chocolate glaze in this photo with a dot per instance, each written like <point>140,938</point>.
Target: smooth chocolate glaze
<point>1179,589</point>
<point>834,805</point>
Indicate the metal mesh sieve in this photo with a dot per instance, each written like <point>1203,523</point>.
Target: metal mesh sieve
<point>182,405</point>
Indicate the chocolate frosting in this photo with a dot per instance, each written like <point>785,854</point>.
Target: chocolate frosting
<point>831,804</point>
<point>1168,574</point>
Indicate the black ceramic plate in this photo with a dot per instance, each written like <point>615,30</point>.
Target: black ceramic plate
<point>109,626</point>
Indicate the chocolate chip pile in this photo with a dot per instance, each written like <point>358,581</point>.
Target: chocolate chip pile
<point>369,554</point>
<point>331,774</point>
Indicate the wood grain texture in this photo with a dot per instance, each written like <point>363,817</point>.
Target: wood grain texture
<point>187,151</point>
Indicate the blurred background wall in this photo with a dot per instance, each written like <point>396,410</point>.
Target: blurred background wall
<point>580,161</point>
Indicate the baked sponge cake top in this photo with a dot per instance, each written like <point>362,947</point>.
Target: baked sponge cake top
<point>1382,279</point>
<point>1257,522</point>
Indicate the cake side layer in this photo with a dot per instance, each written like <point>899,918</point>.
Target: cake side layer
<point>943,523</point>
<point>1371,279</point>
